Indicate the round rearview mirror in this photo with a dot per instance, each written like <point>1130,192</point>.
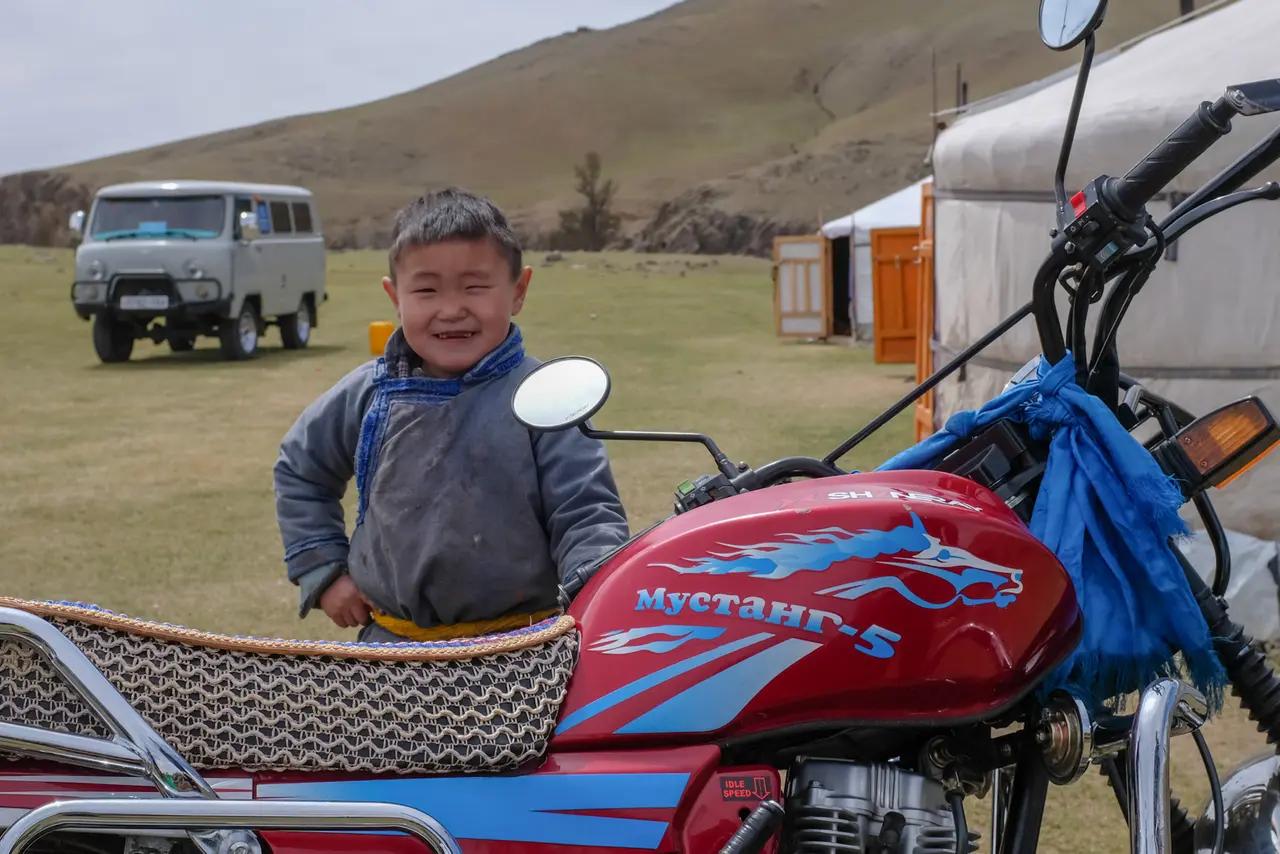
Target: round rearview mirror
<point>249,229</point>
<point>561,393</point>
<point>1065,23</point>
<point>75,222</point>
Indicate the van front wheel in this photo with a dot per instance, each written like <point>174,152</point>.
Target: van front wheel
<point>112,339</point>
<point>295,329</point>
<point>239,334</point>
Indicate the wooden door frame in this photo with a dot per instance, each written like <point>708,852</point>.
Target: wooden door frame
<point>924,413</point>
<point>913,233</point>
<point>824,259</point>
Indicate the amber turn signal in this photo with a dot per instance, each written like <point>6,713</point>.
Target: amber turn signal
<point>1216,449</point>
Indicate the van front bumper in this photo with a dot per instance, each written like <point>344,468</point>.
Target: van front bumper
<point>185,299</point>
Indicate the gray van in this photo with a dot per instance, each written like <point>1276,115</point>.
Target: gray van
<point>172,260</point>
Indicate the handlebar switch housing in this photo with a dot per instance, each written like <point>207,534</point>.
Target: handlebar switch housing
<point>1005,459</point>
<point>695,493</point>
<point>1099,234</point>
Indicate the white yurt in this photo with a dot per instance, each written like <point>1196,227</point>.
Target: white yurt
<point>850,237</point>
<point>1206,329</point>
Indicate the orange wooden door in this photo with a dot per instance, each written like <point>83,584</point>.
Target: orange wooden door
<point>924,327</point>
<point>895,289</point>
<point>802,286</point>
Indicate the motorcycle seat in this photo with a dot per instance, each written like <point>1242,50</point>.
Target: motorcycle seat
<point>486,703</point>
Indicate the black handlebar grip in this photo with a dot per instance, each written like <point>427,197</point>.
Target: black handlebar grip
<point>1130,194</point>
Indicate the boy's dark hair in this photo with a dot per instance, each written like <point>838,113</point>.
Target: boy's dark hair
<point>453,214</point>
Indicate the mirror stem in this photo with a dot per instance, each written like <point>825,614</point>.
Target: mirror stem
<point>727,468</point>
<point>1068,136</point>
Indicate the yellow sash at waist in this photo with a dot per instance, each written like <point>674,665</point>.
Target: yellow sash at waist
<point>409,630</point>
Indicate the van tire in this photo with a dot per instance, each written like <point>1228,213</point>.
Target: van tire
<point>182,343</point>
<point>295,329</point>
<point>112,339</point>
<point>238,341</point>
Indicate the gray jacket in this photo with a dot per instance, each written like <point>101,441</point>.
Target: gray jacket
<point>463,513</point>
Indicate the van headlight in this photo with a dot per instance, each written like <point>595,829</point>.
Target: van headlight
<point>199,290</point>
<point>193,270</point>
<point>97,271</point>
<point>87,292</point>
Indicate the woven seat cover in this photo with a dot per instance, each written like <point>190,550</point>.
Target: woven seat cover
<point>478,704</point>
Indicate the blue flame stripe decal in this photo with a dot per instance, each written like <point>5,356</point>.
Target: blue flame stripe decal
<point>530,808</point>
<point>623,641</point>
<point>815,551</point>
<point>716,701</point>
<point>631,689</point>
<point>973,580</point>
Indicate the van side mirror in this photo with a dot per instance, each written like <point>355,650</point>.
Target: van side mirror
<point>248,223</point>
<point>75,222</point>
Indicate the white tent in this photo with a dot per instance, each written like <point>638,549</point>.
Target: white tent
<point>900,209</point>
<point>1204,331</point>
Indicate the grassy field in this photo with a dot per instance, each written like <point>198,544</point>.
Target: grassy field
<point>147,486</point>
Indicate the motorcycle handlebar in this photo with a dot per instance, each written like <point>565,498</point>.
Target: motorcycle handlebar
<point>770,473</point>
<point>1167,160</point>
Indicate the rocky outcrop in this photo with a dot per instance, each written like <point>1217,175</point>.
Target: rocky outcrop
<point>693,222</point>
<point>34,207</point>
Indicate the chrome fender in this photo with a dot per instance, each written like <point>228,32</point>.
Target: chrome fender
<point>1251,801</point>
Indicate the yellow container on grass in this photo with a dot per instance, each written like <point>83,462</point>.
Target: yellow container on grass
<point>379,332</point>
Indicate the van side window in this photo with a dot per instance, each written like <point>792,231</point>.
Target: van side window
<point>280,219</point>
<point>242,205</point>
<point>302,217</point>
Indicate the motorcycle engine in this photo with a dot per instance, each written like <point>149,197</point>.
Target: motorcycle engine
<point>866,808</point>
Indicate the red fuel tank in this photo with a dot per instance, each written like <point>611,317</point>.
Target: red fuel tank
<point>904,597</point>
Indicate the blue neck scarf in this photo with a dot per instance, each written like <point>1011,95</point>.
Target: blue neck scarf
<point>401,368</point>
<point>1107,511</point>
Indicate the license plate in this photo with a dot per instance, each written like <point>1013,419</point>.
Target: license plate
<point>144,302</point>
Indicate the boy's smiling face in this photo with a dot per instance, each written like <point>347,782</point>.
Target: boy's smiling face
<point>456,299</point>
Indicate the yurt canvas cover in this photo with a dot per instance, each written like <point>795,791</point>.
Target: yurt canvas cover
<point>1206,330</point>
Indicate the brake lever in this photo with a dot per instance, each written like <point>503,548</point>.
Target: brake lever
<point>1269,191</point>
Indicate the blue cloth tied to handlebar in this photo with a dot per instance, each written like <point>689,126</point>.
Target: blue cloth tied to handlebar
<point>1107,511</point>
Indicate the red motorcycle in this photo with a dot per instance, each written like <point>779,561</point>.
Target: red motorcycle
<point>881,638</point>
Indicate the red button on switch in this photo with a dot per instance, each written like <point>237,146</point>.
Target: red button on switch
<point>1078,203</point>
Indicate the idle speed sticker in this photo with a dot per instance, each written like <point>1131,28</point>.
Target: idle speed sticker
<point>746,787</point>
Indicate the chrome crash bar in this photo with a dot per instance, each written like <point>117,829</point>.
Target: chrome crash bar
<point>1167,707</point>
<point>156,814</point>
<point>134,747</point>
<point>188,803</point>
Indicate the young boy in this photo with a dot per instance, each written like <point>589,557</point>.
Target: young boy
<point>465,518</point>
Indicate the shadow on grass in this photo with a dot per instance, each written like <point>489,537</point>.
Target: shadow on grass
<point>266,358</point>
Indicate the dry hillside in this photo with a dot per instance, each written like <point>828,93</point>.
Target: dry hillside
<point>723,121</point>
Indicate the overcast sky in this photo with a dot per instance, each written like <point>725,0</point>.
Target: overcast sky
<point>81,78</point>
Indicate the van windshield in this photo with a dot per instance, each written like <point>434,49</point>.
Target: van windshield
<point>191,217</point>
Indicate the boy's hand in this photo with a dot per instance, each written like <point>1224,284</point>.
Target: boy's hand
<point>344,604</point>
